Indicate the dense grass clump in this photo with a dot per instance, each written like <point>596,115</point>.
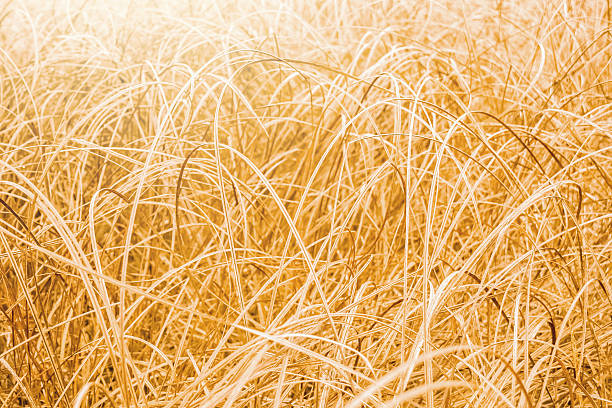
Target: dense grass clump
<point>306,203</point>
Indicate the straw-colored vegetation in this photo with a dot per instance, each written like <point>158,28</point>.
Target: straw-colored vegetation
<point>306,203</point>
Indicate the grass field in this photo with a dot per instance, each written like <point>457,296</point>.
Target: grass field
<point>295,203</point>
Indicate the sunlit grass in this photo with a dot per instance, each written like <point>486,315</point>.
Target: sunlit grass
<point>294,203</point>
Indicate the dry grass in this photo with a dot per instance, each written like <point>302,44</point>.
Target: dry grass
<point>306,203</point>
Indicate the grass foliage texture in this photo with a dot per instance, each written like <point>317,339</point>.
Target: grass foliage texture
<point>306,203</point>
